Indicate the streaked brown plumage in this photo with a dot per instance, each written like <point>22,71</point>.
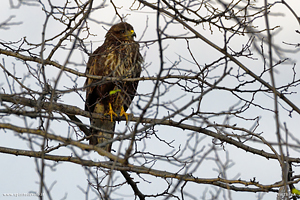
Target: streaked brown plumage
<point>118,57</point>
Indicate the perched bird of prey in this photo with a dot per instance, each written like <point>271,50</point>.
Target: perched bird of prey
<point>119,56</point>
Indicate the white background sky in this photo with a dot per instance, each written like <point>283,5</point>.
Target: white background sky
<point>18,174</point>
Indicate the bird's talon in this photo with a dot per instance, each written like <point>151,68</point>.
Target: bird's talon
<point>111,113</point>
<point>124,113</point>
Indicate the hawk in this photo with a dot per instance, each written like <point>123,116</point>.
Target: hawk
<point>119,57</point>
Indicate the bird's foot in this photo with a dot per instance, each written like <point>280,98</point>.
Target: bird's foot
<point>111,113</point>
<point>124,113</point>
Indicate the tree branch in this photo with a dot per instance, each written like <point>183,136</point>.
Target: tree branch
<point>224,183</point>
<point>73,110</point>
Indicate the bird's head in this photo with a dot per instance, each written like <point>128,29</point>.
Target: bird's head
<point>121,32</point>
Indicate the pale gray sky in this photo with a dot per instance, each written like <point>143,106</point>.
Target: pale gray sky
<point>18,174</point>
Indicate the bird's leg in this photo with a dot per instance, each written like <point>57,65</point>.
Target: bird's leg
<point>124,113</point>
<point>111,113</point>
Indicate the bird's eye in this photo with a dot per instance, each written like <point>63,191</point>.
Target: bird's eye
<point>122,31</point>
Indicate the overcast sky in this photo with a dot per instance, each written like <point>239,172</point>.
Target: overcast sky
<point>18,174</point>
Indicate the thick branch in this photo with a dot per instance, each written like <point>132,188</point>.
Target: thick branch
<point>62,139</point>
<point>224,183</point>
<point>77,73</point>
<point>132,184</point>
<point>223,51</point>
<point>73,110</point>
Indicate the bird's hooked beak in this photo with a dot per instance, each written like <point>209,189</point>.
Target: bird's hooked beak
<point>131,34</point>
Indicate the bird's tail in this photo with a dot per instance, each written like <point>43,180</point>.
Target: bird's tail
<point>102,137</point>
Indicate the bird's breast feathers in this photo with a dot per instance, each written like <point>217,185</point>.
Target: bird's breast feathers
<point>122,60</point>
